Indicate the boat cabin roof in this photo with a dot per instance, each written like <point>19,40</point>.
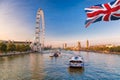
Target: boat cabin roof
<point>76,58</point>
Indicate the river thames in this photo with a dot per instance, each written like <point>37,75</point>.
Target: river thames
<point>33,66</point>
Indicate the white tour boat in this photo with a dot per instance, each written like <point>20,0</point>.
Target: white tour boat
<point>76,62</point>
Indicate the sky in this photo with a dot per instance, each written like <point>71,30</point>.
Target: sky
<point>64,22</point>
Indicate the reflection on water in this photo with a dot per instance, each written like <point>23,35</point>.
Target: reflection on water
<point>37,66</point>
<point>42,67</point>
<point>11,67</point>
<point>75,70</point>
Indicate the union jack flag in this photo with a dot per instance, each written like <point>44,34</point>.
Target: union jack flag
<point>103,12</point>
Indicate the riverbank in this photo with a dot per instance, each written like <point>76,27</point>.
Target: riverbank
<point>13,53</point>
<point>104,52</point>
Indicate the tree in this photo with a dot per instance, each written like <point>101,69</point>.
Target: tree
<point>11,47</point>
<point>22,48</point>
<point>18,48</point>
<point>3,47</point>
<point>27,47</point>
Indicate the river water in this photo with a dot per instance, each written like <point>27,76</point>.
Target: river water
<point>33,66</point>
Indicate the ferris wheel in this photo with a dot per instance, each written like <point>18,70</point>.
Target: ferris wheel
<point>38,44</point>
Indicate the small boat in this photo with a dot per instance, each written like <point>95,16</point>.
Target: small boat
<point>55,54</point>
<point>76,62</point>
